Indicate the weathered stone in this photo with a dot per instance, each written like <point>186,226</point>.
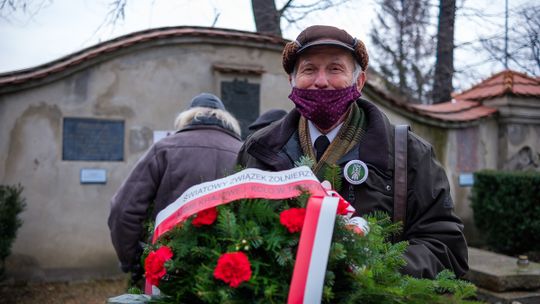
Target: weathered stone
<point>497,272</point>
<point>140,138</point>
<point>129,299</point>
<point>509,297</point>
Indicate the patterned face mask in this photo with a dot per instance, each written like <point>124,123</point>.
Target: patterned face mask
<point>324,107</point>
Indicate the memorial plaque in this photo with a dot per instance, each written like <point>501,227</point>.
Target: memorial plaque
<point>466,179</point>
<point>93,176</point>
<point>160,134</point>
<point>242,99</point>
<point>91,139</point>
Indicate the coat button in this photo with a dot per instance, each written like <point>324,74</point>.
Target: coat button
<point>388,188</point>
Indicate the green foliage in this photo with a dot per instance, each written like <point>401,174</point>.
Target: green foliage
<point>148,223</point>
<point>506,209</point>
<point>361,269</point>
<point>11,204</point>
<point>333,175</point>
<point>305,161</point>
<point>134,290</point>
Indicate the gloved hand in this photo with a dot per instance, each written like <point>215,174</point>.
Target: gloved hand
<point>137,277</point>
<point>137,270</point>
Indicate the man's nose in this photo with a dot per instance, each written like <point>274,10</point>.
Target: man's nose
<point>321,81</point>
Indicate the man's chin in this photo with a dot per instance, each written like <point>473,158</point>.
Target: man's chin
<point>327,130</point>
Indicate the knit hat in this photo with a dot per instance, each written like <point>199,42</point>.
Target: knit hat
<point>207,100</point>
<point>267,118</point>
<point>323,35</point>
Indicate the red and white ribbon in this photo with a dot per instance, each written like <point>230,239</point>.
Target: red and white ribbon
<point>248,183</point>
<point>316,236</point>
<point>312,256</point>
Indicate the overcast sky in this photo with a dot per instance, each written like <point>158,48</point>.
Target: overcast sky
<point>66,26</point>
<point>61,27</point>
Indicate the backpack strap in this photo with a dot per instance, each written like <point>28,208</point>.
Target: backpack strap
<point>400,174</point>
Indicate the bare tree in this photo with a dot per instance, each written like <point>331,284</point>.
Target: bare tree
<point>523,42</point>
<point>444,64</point>
<point>117,11</point>
<point>265,12</point>
<point>531,17</point>
<point>268,16</point>
<point>404,48</point>
<point>8,8</point>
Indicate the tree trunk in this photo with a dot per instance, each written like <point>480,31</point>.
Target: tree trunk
<point>444,66</point>
<point>266,17</point>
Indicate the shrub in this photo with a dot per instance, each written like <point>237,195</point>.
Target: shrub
<point>11,204</point>
<point>506,209</point>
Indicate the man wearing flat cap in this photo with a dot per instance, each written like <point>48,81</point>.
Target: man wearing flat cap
<point>203,148</point>
<point>334,126</point>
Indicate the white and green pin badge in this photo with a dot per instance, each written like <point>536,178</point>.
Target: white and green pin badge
<point>355,172</point>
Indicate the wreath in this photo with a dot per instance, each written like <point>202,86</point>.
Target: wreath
<point>245,251</point>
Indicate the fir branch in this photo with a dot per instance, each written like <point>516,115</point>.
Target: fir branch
<point>274,240</point>
<point>305,160</point>
<point>226,222</point>
<point>285,257</point>
<point>301,200</point>
<point>328,294</point>
<point>332,173</point>
<point>260,210</point>
<point>270,291</point>
<point>337,252</point>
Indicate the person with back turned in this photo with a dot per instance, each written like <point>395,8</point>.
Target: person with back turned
<point>204,148</point>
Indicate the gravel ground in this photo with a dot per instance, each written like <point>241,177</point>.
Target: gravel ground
<point>88,292</point>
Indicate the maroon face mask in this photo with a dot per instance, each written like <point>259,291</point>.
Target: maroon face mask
<point>324,107</point>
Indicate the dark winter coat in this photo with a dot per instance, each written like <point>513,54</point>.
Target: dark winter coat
<point>195,154</point>
<point>433,230</point>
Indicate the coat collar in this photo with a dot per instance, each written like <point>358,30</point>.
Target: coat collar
<point>192,127</point>
<point>278,146</point>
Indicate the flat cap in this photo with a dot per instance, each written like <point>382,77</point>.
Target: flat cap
<point>207,100</point>
<point>323,35</point>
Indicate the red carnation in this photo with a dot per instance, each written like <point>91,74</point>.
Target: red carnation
<point>293,219</point>
<point>154,264</point>
<point>205,217</point>
<point>233,268</point>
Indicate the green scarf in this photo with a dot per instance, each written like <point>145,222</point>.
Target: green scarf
<point>348,136</point>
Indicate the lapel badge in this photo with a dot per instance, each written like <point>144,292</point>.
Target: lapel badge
<point>355,172</point>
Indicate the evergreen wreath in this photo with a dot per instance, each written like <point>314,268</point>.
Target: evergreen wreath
<point>244,252</point>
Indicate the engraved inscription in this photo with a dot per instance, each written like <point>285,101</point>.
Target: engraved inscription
<point>242,99</point>
<point>90,139</point>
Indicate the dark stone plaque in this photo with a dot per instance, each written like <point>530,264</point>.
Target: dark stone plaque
<point>241,98</point>
<point>93,139</point>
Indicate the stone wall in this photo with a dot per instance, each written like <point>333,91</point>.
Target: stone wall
<point>65,224</point>
<point>460,148</point>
